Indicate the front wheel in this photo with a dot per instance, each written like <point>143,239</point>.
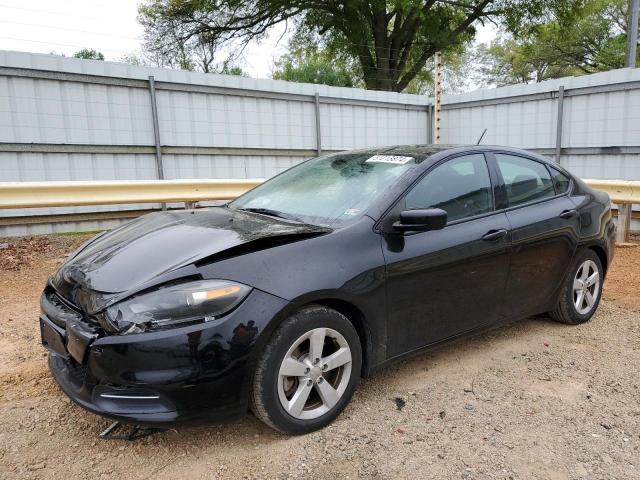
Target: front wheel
<point>308,371</point>
<point>581,290</point>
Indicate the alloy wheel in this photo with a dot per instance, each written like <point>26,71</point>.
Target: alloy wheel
<point>586,287</point>
<point>314,373</point>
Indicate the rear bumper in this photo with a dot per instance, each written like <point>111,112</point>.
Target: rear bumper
<point>196,373</point>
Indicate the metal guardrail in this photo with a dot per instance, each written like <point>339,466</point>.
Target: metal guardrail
<point>624,193</point>
<point>63,194</point>
<point>620,191</point>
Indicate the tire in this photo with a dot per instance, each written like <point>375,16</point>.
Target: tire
<point>567,310</point>
<point>273,395</point>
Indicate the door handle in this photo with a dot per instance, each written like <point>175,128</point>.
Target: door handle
<point>568,213</point>
<point>493,235</point>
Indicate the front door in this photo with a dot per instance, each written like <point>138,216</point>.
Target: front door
<point>445,282</point>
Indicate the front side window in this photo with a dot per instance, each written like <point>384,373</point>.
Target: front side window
<point>460,186</point>
<point>525,180</point>
<point>333,190</point>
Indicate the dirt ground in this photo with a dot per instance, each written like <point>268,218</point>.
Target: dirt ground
<point>534,400</point>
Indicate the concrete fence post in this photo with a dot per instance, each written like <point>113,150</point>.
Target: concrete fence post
<point>429,124</point>
<point>437,109</point>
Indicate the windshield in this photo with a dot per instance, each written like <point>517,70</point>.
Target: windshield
<point>330,191</point>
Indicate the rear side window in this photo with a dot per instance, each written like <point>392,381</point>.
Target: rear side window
<point>526,180</point>
<point>560,181</point>
<point>460,186</point>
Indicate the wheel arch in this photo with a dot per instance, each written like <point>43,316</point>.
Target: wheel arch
<point>356,315</point>
<point>602,255</point>
<point>357,319</point>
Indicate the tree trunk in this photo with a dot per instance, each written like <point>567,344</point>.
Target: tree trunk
<point>385,67</point>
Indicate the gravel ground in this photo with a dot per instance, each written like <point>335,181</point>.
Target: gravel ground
<point>534,400</point>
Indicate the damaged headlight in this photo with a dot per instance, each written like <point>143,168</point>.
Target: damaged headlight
<point>176,305</point>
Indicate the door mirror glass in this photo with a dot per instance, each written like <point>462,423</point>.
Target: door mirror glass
<point>421,220</point>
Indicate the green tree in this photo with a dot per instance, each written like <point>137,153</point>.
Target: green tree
<point>571,38</point>
<point>89,54</point>
<point>132,59</point>
<point>155,59</point>
<point>233,70</point>
<point>391,40</point>
<point>310,61</point>
<point>458,62</point>
<point>307,62</point>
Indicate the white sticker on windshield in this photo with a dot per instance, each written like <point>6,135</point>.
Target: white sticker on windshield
<point>395,159</point>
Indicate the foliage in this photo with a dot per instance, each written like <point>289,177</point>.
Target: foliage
<point>233,70</point>
<point>391,41</point>
<point>89,54</point>
<point>156,60</point>
<point>458,63</point>
<point>307,61</point>
<point>572,38</point>
<point>170,48</point>
<point>133,59</point>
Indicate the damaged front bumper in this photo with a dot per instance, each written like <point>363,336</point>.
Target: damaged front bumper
<point>129,404</point>
<point>200,372</point>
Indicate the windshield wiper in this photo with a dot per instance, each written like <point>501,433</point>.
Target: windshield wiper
<point>273,213</point>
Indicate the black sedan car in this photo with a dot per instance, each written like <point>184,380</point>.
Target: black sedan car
<point>283,298</point>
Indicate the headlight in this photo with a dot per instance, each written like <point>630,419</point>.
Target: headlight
<point>176,305</point>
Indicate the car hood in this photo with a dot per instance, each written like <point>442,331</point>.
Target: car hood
<point>151,247</point>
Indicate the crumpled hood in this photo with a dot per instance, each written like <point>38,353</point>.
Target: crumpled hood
<point>158,243</point>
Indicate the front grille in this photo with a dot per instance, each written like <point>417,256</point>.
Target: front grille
<point>58,309</point>
<point>63,302</point>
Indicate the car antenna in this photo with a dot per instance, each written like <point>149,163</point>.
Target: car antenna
<point>481,136</point>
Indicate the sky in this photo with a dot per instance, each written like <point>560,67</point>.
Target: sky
<point>110,26</point>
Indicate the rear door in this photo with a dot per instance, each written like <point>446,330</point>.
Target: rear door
<point>544,227</point>
<point>445,282</point>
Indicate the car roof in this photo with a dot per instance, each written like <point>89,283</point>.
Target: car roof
<point>413,150</point>
<point>435,152</point>
<point>426,150</point>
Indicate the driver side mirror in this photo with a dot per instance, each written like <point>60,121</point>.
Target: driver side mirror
<point>421,220</point>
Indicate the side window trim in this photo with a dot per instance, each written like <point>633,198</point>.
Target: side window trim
<point>509,207</point>
<point>500,201</point>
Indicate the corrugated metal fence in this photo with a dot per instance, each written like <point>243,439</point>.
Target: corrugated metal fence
<point>71,119</point>
<point>591,122</point>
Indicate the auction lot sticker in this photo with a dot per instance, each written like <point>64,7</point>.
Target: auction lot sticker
<point>395,159</point>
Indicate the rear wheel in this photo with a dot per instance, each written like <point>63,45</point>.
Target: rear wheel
<point>581,290</point>
<point>308,371</point>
